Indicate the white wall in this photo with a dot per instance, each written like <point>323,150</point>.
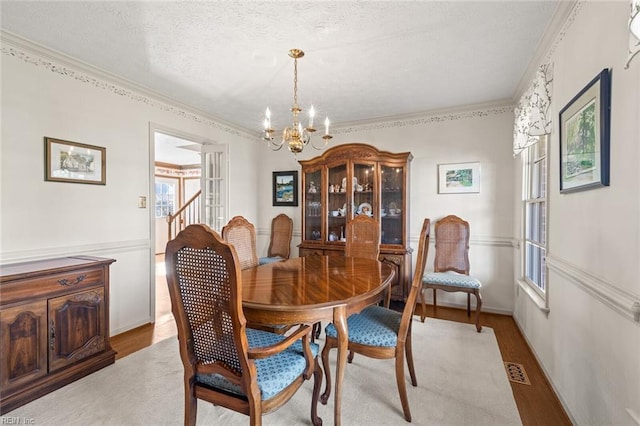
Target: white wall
<point>589,343</point>
<point>483,134</point>
<point>45,95</point>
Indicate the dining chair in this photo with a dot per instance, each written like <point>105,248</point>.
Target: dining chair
<point>383,333</point>
<point>451,265</point>
<point>242,234</point>
<point>363,240</point>
<point>280,241</point>
<point>225,362</point>
<point>363,237</point>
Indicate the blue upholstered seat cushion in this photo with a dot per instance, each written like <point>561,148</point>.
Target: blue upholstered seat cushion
<point>374,326</point>
<point>265,260</point>
<point>452,279</point>
<point>274,373</point>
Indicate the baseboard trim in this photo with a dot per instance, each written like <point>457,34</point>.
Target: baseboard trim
<point>545,372</point>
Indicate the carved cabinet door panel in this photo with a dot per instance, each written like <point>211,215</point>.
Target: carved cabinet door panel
<point>76,326</point>
<point>23,334</point>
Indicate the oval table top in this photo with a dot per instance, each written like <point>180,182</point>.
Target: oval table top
<point>314,282</point>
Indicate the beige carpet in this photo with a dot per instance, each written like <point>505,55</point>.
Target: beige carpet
<point>461,381</point>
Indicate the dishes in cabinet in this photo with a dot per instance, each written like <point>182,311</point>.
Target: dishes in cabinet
<point>365,208</point>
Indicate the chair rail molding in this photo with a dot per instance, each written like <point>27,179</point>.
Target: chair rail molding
<point>621,301</point>
<point>84,249</point>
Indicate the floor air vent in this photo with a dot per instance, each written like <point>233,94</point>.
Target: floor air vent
<point>516,373</point>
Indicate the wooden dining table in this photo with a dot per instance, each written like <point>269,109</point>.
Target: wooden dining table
<point>305,290</point>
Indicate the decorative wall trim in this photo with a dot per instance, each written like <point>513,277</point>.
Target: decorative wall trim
<point>66,66</point>
<point>623,302</point>
<point>85,249</point>
<point>425,119</point>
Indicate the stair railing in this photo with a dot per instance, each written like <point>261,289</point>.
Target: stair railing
<point>185,216</point>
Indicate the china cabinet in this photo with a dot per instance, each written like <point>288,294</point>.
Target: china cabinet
<point>353,179</point>
<point>54,325</point>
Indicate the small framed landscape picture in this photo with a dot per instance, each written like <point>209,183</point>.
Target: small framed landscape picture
<point>459,178</point>
<point>74,162</point>
<point>285,188</point>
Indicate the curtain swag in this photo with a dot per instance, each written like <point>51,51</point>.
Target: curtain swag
<point>634,42</point>
<point>533,113</point>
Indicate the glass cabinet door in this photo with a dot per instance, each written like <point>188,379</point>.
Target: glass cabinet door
<point>364,188</point>
<point>391,204</point>
<point>337,208</point>
<point>313,205</point>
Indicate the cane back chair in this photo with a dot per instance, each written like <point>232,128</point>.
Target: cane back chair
<point>225,363</point>
<point>242,234</point>
<point>280,241</point>
<point>451,266</point>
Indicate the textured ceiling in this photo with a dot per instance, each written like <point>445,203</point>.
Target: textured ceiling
<point>364,60</point>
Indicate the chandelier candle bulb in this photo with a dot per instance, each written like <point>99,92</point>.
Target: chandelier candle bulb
<point>312,113</point>
<point>326,126</point>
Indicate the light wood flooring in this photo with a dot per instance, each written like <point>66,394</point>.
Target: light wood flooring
<point>537,403</point>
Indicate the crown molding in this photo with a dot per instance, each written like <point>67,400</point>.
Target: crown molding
<point>66,66</point>
<point>562,19</point>
<point>425,118</point>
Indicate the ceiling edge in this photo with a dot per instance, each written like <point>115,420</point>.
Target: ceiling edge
<point>562,19</point>
<point>428,117</point>
<point>65,65</point>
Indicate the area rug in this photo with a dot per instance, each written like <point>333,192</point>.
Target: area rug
<point>461,381</point>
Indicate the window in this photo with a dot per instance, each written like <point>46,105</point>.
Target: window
<point>534,190</point>
<point>165,198</point>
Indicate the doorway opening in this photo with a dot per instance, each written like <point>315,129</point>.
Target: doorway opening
<point>176,178</point>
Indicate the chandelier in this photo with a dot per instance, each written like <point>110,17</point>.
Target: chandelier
<point>295,137</point>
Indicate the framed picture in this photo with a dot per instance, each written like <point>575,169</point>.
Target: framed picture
<point>74,162</point>
<point>285,188</point>
<point>584,137</point>
<point>460,178</point>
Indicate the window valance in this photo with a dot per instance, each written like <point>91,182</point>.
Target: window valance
<point>634,31</point>
<point>533,111</point>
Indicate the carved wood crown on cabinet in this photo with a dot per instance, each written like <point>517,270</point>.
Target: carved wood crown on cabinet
<point>352,179</point>
<point>54,325</point>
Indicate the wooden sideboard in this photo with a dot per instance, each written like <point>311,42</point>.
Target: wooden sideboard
<point>54,325</point>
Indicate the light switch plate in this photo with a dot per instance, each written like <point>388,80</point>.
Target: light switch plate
<point>142,202</point>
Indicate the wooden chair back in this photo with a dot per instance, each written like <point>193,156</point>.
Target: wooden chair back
<point>220,367</point>
<point>452,245</point>
<point>281,234</point>
<point>363,238</point>
<point>242,235</point>
<point>416,283</point>
<point>205,289</point>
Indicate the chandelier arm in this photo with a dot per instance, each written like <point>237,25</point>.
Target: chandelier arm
<point>324,145</point>
<point>275,146</point>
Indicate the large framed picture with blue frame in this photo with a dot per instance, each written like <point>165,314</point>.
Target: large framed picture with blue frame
<point>285,188</point>
<point>585,136</point>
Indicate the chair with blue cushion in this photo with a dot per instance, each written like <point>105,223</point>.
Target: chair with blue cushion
<point>280,241</point>
<point>225,363</point>
<point>451,266</point>
<point>382,333</point>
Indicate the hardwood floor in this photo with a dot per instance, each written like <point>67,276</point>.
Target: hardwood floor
<point>537,403</point>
